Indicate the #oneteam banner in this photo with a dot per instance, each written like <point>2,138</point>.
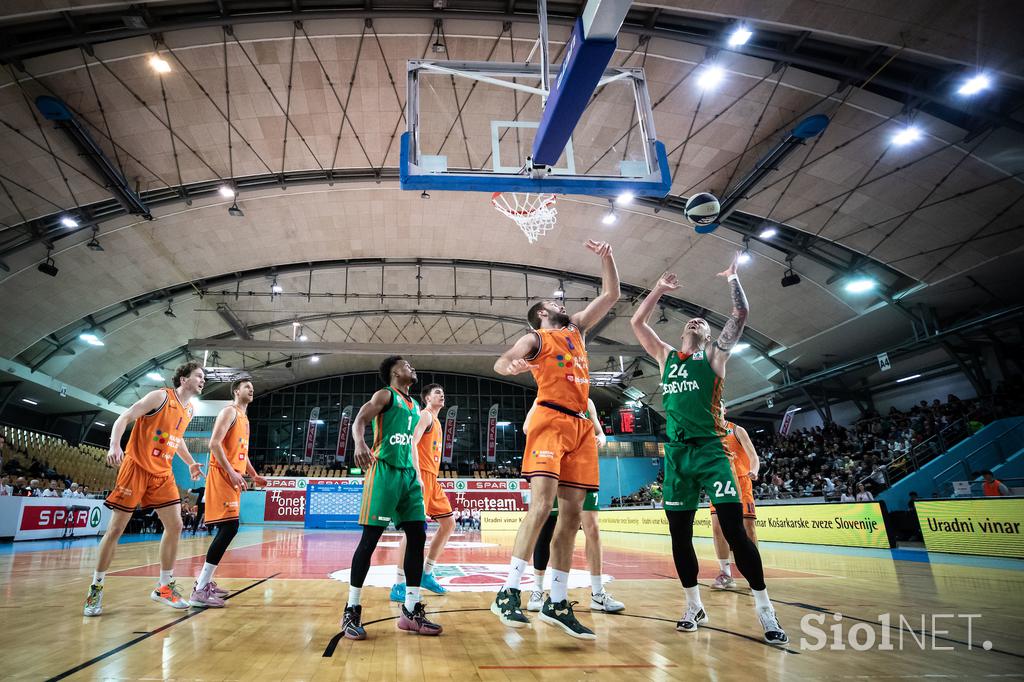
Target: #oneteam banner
<point>343,427</point>
<point>449,434</point>
<point>311,434</point>
<point>492,433</point>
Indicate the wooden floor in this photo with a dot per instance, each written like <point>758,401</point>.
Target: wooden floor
<point>281,622</point>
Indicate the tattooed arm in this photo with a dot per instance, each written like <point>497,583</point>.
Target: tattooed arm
<point>733,328</point>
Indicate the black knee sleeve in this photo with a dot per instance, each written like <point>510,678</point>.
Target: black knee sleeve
<point>415,540</point>
<point>225,534</point>
<point>680,527</point>
<point>364,551</point>
<point>748,559</point>
<point>542,549</point>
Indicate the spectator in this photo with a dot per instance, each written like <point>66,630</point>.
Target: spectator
<point>85,491</point>
<point>993,487</point>
<point>863,494</point>
<point>35,488</point>
<point>47,489</point>
<point>848,496</point>
<point>21,488</point>
<point>5,486</point>
<point>72,492</point>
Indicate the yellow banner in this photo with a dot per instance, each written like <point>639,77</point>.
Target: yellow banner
<point>988,526</point>
<point>857,524</point>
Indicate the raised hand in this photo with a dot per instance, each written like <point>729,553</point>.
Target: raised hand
<point>668,282</point>
<point>731,270</point>
<point>602,249</point>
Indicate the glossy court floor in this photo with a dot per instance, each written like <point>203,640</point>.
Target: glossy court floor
<point>281,620</point>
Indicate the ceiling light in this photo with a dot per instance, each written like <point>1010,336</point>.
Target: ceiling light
<point>68,221</point>
<point>170,311</point>
<point>155,376</point>
<point>975,84</point>
<point>303,337</point>
<point>226,192</point>
<point>861,285</point>
<point>276,288</point>
<point>314,358</point>
<point>609,218</point>
<point>906,136</point>
<point>90,339</point>
<point>100,423</point>
<point>560,291</point>
<point>743,257</point>
<point>740,36</point>
<point>625,199</point>
<point>790,278</point>
<point>424,194</point>
<point>159,64</point>
<point>912,376</point>
<point>30,401</point>
<point>663,319</point>
<point>94,244</point>
<point>710,77</point>
<point>296,323</point>
<point>437,47</point>
<point>234,211</point>
<point>503,423</point>
<point>740,347</point>
<point>48,267</point>
<point>768,233</point>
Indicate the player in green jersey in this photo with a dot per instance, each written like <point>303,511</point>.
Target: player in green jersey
<point>696,456</point>
<point>391,493</point>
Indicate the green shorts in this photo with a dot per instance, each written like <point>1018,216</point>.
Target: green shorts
<point>589,503</point>
<point>391,495</point>
<point>695,464</point>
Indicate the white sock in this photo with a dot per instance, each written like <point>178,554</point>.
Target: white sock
<point>559,585</point>
<point>98,577</point>
<point>726,566</point>
<point>206,575</point>
<point>353,595</point>
<point>166,578</point>
<point>515,573</point>
<point>412,598</point>
<point>596,584</point>
<point>761,599</point>
<point>540,580</point>
<point>400,575</point>
<point>428,567</point>
<point>693,596</point>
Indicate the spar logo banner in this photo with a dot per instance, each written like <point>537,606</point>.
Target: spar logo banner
<point>285,505</point>
<point>492,433</point>
<point>858,524</point>
<point>471,484</point>
<point>449,433</point>
<point>343,427</point>
<point>314,415</point>
<point>990,526</point>
<point>43,518</point>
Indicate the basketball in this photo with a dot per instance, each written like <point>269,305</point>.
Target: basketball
<point>702,208</point>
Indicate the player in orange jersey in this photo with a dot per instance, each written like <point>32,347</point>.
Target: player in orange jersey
<point>427,440</point>
<point>745,465</point>
<point>561,453</point>
<point>145,478</point>
<point>229,462</point>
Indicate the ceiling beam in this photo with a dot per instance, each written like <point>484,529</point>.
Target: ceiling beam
<point>420,349</point>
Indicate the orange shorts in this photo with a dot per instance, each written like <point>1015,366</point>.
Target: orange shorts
<point>562,447</point>
<point>746,497</point>
<point>222,499</point>
<point>136,487</point>
<point>435,502</point>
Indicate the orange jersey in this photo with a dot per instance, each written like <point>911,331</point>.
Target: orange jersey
<point>156,437</point>
<point>562,373</point>
<point>429,448</point>
<point>236,443</point>
<point>739,458</point>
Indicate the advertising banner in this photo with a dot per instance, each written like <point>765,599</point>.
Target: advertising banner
<point>343,427</point>
<point>492,433</point>
<point>285,505</point>
<point>48,517</point>
<point>787,421</point>
<point>858,524</point>
<point>311,434</point>
<point>990,526</point>
<point>449,433</point>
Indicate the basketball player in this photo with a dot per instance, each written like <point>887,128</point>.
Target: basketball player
<point>145,478</point>
<point>561,454</point>
<point>428,439</point>
<point>229,445</point>
<point>696,455</point>
<point>391,493</point>
<point>600,600</point>
<point>745,466</point>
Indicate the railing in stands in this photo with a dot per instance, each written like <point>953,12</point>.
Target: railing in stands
<point>922,453</point>
<point>967,468</point>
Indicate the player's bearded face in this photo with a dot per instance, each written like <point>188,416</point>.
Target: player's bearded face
<point>557,315</point>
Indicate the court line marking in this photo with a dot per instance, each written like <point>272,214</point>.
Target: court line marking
<point>147,635</point>
<point>925,632</point>
<point>336,639</point>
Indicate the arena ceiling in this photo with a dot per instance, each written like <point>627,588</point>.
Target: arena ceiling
<point>300,104</point>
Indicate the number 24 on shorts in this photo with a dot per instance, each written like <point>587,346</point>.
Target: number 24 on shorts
<point>727,489</point>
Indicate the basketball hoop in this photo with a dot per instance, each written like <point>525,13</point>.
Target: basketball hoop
<point>535,214</point>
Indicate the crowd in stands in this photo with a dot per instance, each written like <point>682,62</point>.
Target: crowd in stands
<point>42,465</point>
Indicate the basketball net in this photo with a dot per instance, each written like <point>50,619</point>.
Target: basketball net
<point>535,214</point>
